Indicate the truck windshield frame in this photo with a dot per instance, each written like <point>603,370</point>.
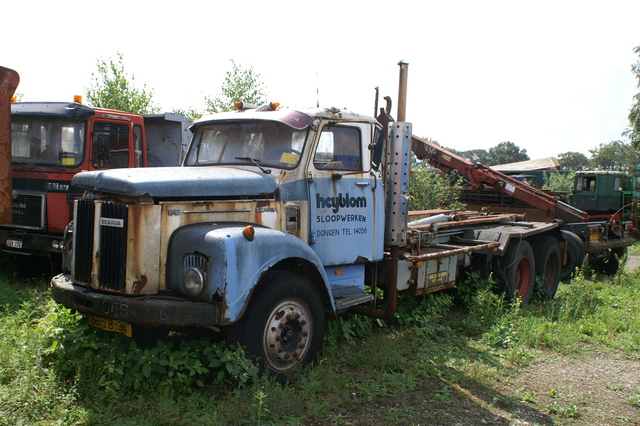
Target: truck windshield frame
<point>47,141</point>
<point>268,143</point>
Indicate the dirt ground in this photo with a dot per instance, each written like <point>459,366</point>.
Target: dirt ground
<point>591,389</point>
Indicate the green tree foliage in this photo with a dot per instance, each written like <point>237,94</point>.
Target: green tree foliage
<point>476,155</point>
<point>191,113</point>
<point>615,155</point>
<point>113,88</point>
<point>506,152</point>
<point>430,189</point>
<point>240,85</point>
<point>633,133</point>
<point>555,181</point>
<point>573,161</point>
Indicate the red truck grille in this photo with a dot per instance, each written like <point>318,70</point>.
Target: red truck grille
<point>27,211</point>
<point>112,247</point>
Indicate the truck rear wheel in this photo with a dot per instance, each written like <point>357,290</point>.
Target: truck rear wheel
<point>546,250</point>
<point>514,271</point>
<point>576,251</point>
<point>283,326</point>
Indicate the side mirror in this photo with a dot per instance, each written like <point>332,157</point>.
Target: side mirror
<point>101,147</point>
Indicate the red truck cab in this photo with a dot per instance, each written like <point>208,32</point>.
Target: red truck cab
<point>51,143</point>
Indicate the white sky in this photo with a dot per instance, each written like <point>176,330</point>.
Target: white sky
<point>550,76</point>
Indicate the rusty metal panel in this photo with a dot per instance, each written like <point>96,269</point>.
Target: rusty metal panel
<point>143,250</point>
<point>9,80</point>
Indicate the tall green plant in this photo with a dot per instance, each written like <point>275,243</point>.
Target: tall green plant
<point>113,88</point>
<point>431,190</point>
<point>240,85</point>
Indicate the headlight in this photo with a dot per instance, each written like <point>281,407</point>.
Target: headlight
<point>55,245</point>
<point>193,280</point>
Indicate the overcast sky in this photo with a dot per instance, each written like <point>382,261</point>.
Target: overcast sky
<point>550,76</point>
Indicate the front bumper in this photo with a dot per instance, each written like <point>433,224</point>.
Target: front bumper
<point>149,310</point>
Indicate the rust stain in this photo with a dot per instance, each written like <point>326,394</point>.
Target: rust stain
<point>139,285</point>
<point>9,80</point>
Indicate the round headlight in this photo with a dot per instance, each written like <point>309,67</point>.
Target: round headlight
<point>193,280</point>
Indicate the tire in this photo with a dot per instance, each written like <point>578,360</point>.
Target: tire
<point>576,252</point>
<point>283,326</point>
<point>611,264</point>
<point>515,271</point>
<point>546,250</point>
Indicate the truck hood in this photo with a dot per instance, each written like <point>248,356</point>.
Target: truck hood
<point>178,182</point>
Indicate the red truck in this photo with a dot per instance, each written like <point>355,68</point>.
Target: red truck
<point>53,141</point>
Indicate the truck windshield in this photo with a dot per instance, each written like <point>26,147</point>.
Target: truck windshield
<point>267,143</point>
<point>42,140</point>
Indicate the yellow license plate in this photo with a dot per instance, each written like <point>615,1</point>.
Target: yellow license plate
<point>116,326</point>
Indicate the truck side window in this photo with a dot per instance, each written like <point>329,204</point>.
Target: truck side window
<point>110,145</point>
<point>339,149</point>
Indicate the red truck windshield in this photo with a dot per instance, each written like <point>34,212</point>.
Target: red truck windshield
<point>47,141</point>
<point>268,143</point>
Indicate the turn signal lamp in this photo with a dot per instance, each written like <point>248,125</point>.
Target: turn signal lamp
<point>249,232</point>
<point>14,99</point>
<point>77,99</point>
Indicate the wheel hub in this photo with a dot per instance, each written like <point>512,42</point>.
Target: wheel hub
<point>286,335</point>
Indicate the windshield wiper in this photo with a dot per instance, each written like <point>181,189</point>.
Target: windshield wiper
<point>56,166</point>
<point>20,163</point>
<point>254,161</point>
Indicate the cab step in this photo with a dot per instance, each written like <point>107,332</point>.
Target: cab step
<point>348,301</point>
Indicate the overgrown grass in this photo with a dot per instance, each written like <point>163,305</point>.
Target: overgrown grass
<point>438,351</point>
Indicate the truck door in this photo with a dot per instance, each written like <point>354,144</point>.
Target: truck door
<point>346,200</point>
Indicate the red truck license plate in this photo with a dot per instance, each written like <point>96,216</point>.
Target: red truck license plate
<point>14,244</point>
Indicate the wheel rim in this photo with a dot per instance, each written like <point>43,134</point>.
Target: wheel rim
<point>286,335</point>
<point>523,277</point>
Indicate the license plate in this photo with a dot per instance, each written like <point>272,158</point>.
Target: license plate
<point>14,244</point>
<point>116,326</point>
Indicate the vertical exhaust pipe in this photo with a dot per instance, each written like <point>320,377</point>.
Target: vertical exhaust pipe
<point>397,186</point>
<point>9,80</point>
<point>402,91</point>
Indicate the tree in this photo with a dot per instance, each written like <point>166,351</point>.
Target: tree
<point>113,88</point>
<point>633,133</point>
<point>240,85</point>
<point>506,152</point>
<point>431,189</point>
<point>615,155</point>
<point>476,155</point>
<point>573,161</point>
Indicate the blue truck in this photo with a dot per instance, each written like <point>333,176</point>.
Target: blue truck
<point>277,221</point>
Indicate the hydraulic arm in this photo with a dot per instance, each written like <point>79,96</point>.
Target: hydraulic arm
<point>479,174</point>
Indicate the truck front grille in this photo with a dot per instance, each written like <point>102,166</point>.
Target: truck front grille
<point>83,249</point>
<point>112,244</point>
<point>28,210</point>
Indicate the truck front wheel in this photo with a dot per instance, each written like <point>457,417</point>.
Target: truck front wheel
<point>283,326</point>
<point>514,271</point>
